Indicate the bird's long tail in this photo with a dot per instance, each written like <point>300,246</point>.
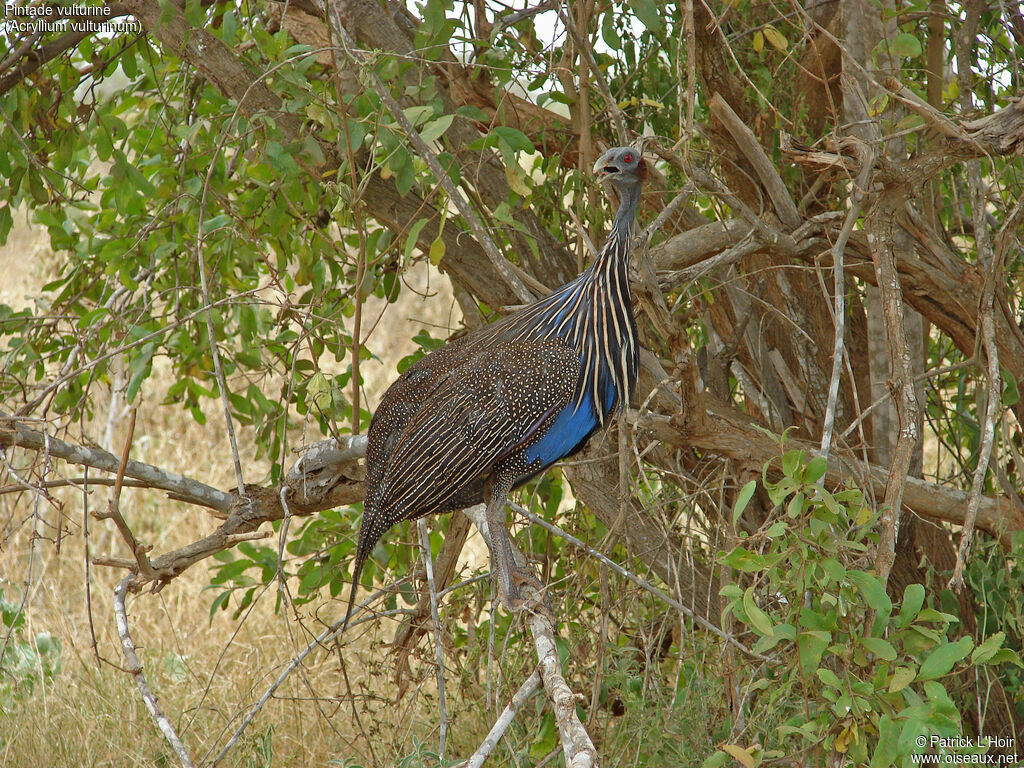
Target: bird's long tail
<point>363,549</point>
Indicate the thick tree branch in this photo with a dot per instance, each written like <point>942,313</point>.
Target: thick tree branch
<point>710,426</point>
<point>14,434</point>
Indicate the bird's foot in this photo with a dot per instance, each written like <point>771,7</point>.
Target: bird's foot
<point>526,593</point>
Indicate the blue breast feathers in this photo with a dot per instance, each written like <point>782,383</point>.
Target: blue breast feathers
<point>573,425</point>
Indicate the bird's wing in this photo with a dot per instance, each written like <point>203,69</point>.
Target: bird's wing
<point>494,403</point>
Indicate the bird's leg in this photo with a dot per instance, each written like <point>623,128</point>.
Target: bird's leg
<point>510,576</point>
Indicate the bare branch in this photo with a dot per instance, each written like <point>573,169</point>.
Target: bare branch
<point>839,291</point>
<point>994,381</point>
<point>709,425</point>
<point>577,746</point>
<point>137,672</point>
<point>520,697</point>
<point>751,148</point>
<point>15,434</point>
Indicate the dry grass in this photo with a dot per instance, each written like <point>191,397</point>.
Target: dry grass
<point>205,672</point>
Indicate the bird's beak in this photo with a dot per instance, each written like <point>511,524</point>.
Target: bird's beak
<point>602,167</point>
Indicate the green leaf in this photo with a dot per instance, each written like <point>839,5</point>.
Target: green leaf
<point>743,560</point>
<point>742,499</point>
<point>874,592</point>
<point>319,389</point>
<point>882,648</point>
<point>437,249</point>
<point>515,138</point>
<point>517,180</point>
<point>775,38</point>
<point>941,660</point>
<point>716,760</point>
<point>744,756</point>
<point>901,678</point>
<point>413,236</point>
<point>417,113</point>
<point>815,469</point>
<point>812,646</point>
<point>45,642</point>
<point>1011,394</point>
<point>780,632</point>
<point>435,128</point>
<point>828,677</point>
<point>984,652</point>
<point>791,461</point>
<point>140,366</point>
<point>6,222</point>
<point>219,603</point>
<point>649,13</point>
<point>905,44</point>
<point>757,618</point>
<point>37,187</point>
<point>217,222</point>
<point>913,599</point>
<point>888,748</point>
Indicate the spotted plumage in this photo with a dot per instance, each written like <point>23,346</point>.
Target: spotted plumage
<point>486,412</point>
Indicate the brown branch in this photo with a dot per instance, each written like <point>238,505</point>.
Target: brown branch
<point>751,148</point>
<point>13,433</point>
<point>139,551</point>
<point>711,426</point>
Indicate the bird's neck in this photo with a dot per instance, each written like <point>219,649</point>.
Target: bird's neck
<point>615,253</point>
<point>629,200</point>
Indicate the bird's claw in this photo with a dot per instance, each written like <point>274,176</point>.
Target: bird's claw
<point>533,599</point>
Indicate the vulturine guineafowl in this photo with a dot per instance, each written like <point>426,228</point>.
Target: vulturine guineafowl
<point>488,411</point>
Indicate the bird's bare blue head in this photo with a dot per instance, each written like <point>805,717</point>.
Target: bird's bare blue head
<point>622,166</point>
<point>626,169</point>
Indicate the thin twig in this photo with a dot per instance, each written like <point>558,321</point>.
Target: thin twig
<point>994,381</point>
<point>921,107</point>
<point>135,667</point>
<point>584,47</point>
<point>428,564</point>
<point>686,136</point>
<point>218,367</point>
<point>860,188</point>
<point>986,255</point>
<point>646,585</point>
<point>139,551</point>
<point>38,495</point>
<point>520,697</point>
<point>323,638</point>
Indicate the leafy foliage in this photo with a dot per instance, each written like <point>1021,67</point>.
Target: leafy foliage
<point>24,662</point>
<point>852,672</point>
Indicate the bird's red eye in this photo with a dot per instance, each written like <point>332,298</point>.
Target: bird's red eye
<point>628,158</point>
